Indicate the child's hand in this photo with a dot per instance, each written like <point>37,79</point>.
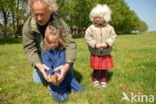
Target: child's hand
<point>48,78</point>
<point>98,46</point>
<point>60,78</point>
<point>104,45</point>
<point>58,68</point>
<point>42,69</point>
<point>61,75</point>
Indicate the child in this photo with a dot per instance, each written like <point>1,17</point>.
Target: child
<point>100,38</point>
<point>54,56</point>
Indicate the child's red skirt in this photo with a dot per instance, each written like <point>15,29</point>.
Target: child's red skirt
<point>101,62</point>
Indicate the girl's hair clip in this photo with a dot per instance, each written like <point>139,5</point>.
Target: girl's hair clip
<point>51,26</point>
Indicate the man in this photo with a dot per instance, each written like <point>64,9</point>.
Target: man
<point>43,13</point>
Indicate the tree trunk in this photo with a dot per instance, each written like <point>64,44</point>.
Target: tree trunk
<point>5,22</point>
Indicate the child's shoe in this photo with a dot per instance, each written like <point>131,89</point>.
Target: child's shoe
<point>103,84</point>
<point>96,84</point>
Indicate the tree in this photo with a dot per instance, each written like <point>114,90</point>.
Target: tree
<point>123,20</point>
<point>13,12</point>
<point>4,10</point>
<point>143,27</point>
<point>82,9</point>
<point>18,9</point>
<point>75,13</point>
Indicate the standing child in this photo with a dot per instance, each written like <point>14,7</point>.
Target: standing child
<point>53,57</point>
<point>100,38</point>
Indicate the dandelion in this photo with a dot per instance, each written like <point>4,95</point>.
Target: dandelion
<point>0,89</point>
<point>50,94</point>
<point>130,61</point>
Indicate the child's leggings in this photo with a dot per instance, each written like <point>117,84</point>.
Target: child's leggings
<point>103,75</point>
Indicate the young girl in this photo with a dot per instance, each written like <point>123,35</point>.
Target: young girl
<point>54,56</point>
<point>100,38</point>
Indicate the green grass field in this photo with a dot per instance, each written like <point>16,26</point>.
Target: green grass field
<point>134,73</point>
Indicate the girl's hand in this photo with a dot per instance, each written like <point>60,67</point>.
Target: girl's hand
<point>61,75</point>
<point>58,68</point>
<point>64,68</point>
<point>42,69</point>
<point>60,78</point>
<point>98,46</point>
<point>48,78</point>
<point>105,45</point>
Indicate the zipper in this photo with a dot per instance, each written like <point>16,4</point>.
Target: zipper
<point>101,41</point>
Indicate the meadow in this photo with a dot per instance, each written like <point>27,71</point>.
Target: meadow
<point>134,74</point>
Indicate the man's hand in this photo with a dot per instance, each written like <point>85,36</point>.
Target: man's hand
<point>42,69</point>
<point>63,69</point>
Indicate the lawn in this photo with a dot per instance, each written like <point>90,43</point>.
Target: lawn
<point>134,74</point>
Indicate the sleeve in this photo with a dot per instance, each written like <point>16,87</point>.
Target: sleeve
<point>69,43</point>
<point>29,45</point>
<point>45,59</point>
<point>62,57</point>
<point>112,37</point>
<point>89,38</point>
<point>47,62</point>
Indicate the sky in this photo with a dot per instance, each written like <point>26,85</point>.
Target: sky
<point>145,10</point>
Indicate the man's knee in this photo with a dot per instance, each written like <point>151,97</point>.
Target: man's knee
<point>38,77</point>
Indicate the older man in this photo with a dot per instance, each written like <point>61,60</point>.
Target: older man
<point>43,13</point>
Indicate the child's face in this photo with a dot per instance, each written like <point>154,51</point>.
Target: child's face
<point>98,20</point>
<point>53,42</point>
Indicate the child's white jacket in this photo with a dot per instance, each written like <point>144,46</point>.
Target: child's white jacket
<point>100,34</point>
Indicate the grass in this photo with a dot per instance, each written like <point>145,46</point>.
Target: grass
<point>134,71</point>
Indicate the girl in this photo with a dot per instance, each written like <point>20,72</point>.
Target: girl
<point>100,38</point>
<point>54,56</point>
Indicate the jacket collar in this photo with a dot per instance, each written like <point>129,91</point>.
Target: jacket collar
<point>96,25</point>
<point>54,51</point>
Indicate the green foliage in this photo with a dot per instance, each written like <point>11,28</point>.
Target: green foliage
<point>123,20</point>
<point>76,13</point>
<point>143,27</point>
<point>13,12</point>
<point>4,11</point>
<point>134,71</point>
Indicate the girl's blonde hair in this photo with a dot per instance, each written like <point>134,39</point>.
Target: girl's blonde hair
<point>53,31</point>
<point>50,4</point>
<point>101,11</point>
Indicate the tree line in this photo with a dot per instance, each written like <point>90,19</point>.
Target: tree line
<point>13,14</point>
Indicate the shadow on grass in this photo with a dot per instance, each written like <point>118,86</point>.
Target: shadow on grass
<point>128,33</point>
<point>77,75</point>
<point>109,76</point>
<point>78,36</point>
<point>10,40</point>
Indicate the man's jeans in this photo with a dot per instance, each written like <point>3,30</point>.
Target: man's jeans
<point>38,77</point>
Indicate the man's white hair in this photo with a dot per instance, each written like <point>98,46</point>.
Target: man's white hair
<point>101,11</point>
<point>50,4</point>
